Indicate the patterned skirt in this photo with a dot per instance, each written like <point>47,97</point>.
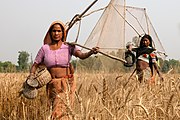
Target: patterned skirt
<point>60,93</point>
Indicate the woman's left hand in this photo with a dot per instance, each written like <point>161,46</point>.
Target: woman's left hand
<point>95,50</point>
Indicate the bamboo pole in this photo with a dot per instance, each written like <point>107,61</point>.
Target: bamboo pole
<point>105,54</point>
<point>77,17</point>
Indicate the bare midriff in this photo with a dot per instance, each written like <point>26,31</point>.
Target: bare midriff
<point>59,72</point>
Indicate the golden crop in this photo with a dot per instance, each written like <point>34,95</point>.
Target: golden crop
<point>99,96</point>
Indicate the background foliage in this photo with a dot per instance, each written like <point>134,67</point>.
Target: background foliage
<point>95,63</point>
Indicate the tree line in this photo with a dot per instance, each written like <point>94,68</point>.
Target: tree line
<point>103,63</point>
<point>94,63</point>
<point>23,64</point>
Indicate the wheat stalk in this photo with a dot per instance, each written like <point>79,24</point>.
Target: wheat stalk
<point>145,110</point>
<point>169,104</point>
<point>67,105</point>
<point>159,108</point>
<point>125,116</point>
<point>81,105</point>
<point>114,118</point>
<point>104,92</point>
<point>87,108</point>
<point>24,111</point>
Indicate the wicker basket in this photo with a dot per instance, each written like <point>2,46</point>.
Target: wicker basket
<point>29,92</point>
<point>42,76</point>
<point>32,82</point>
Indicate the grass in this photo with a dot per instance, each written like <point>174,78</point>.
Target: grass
<point>98,97</point>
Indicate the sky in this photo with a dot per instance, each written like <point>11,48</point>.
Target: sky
<point>24,23</point>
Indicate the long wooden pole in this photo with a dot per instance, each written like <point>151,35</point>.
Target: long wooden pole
<point>79,16</point>
<point>105,54</point>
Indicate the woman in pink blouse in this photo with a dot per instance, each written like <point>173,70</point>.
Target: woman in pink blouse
<point>55,54</point>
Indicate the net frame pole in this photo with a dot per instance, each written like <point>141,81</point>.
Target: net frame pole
<point>124,30</point>
<point>103,53</point>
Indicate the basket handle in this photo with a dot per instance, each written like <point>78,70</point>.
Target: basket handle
<point>40,72</point>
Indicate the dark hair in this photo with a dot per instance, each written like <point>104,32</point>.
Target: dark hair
<point>148,37</point>
<point>50,30</point>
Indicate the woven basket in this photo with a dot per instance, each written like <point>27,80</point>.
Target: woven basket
<point>29,92</point>
<point>32,82</point>
<point>42,76</point>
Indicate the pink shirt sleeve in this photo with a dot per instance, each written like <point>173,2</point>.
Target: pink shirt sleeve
<point>40,56</point>
<point>76,48</point>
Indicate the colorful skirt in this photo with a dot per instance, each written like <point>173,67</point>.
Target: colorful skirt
<point>60,93</point>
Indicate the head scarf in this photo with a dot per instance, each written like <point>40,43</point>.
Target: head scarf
<point>47,38</point>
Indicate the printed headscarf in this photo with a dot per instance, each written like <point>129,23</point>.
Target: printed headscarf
<point>47,39</point>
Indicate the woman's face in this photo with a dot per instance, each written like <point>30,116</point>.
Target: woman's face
<point>145,42</point>
<point>57,32</point>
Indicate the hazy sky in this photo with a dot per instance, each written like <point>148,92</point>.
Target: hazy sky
<point>23,23</point>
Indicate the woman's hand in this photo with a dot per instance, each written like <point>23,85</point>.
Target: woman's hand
<point>31,76</point>
<point>81,55</point>
<point>95,50</point>
<point>31,81</point>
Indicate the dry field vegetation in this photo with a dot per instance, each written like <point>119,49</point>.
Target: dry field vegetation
<point>98,97</point>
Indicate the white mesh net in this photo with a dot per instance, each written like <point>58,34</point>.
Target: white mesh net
<point>119,25</point>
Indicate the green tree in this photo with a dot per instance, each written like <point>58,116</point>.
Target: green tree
<point>23,59</point>
<point>174,64</point>
<point>165,66</point>
<point>7,66</point>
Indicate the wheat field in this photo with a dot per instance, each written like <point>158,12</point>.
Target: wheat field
<point>99,96</point>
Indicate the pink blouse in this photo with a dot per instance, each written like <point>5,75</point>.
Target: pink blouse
<point>60,57</point>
